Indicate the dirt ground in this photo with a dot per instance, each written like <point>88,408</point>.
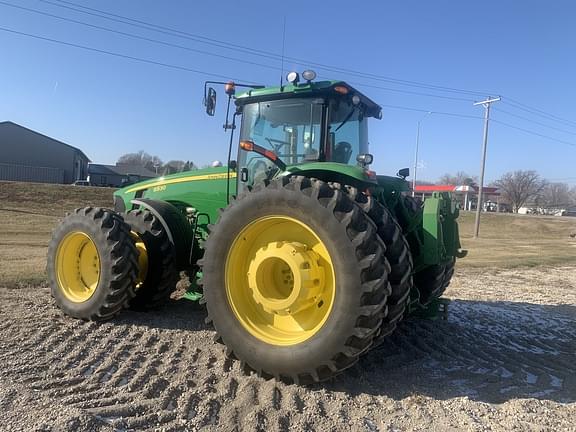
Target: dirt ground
<point>505,360</point>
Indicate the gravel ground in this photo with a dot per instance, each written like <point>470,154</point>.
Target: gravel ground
<point>504,360</point>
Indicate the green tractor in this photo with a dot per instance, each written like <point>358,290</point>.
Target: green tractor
<point>304,257</point>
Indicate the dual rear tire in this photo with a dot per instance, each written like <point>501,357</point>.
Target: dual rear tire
<point>100,262</point>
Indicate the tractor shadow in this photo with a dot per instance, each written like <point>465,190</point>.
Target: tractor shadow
<point>487,351</point>
<point>180,314</point>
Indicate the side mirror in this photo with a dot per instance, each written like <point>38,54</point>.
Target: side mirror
<point>403,173</point>
<point>210,101</point>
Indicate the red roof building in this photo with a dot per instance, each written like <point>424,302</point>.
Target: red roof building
<point>467,195</point>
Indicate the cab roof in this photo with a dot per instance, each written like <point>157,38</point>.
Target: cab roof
<point>309,89</point>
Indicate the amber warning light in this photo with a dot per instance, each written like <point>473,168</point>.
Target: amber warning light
<point>247,145</point>
<point>230,88</point>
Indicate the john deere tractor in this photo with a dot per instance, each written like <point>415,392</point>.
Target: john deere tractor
<point>304,257</point>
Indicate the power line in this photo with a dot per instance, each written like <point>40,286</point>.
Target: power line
<point>534,121</point>
<point>186,69</point>
<point>247,50</point>
<point>537,114</point>
<point>405,108</point>
<point>115,54</point>
<point>227,77</point>
<point>540,112</point>
<point>409,92</point>
<point>132,35</point>
<point>534,133</point>
<point>254,51</point>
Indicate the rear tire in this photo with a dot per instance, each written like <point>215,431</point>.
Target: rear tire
<point>397,253</point>
<point>158,280</point>
<point>430,283</point>
<point>349,313</point>
<point>92,264</point>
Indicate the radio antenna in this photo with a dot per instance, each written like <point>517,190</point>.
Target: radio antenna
<point>283,45</point>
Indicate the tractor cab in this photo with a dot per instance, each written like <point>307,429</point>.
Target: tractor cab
<point>300,123</point>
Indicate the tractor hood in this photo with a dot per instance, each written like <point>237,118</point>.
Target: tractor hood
<point>183,177</point>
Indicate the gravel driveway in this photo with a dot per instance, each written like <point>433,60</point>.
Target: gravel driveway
<point>504,360</point>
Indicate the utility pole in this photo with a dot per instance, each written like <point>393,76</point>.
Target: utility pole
<point>486,104</point>
<point>416,153</point>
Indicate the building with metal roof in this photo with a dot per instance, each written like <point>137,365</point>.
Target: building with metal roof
<point>29,156</point>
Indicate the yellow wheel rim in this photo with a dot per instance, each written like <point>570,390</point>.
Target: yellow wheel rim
<point>142,258</point>
<point>78,267</point>
<point>280,280</point>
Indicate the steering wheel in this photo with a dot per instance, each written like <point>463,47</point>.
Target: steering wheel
<point>279,144</point>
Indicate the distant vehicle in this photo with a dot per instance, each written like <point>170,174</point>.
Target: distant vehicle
<point>81,183</point>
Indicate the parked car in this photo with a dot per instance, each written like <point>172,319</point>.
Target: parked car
<point>81,183</point>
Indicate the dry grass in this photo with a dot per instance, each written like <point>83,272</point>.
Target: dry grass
<point>508,240</point>
<point>29,212</point>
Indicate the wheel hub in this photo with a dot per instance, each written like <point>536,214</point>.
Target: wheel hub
<point>142,259</point>
<point>285,278</point>
<point>280,280</point>
<point>78,267</point>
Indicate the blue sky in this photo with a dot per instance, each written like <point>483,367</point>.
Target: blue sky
<point>108,106</point>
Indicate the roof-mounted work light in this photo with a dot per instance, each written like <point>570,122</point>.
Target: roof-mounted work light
<point>309,75</point>
<point>293,78</point>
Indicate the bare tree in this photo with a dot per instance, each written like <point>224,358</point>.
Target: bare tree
<point>556,196</point>
<point>519,186</point>
<point>173,166</point>
<point>176,166</point>
<point>459,179</point>
<point>141,158</point>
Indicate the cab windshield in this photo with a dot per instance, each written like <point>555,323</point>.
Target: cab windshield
<point>292,129</point>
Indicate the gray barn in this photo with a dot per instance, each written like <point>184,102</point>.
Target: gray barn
<point>26,155</point>
<point>118,175</point>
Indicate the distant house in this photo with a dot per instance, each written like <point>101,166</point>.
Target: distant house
<point>119,175</point>
<point>29,156</point>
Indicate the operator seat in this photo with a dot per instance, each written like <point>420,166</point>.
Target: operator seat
<point>342,152</point>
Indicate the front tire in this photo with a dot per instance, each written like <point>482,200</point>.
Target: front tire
<point>295,280</point>
<point>92,264</point>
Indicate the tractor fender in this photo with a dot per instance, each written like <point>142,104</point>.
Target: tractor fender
<point>176,225</point>
<point>335,172</point>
